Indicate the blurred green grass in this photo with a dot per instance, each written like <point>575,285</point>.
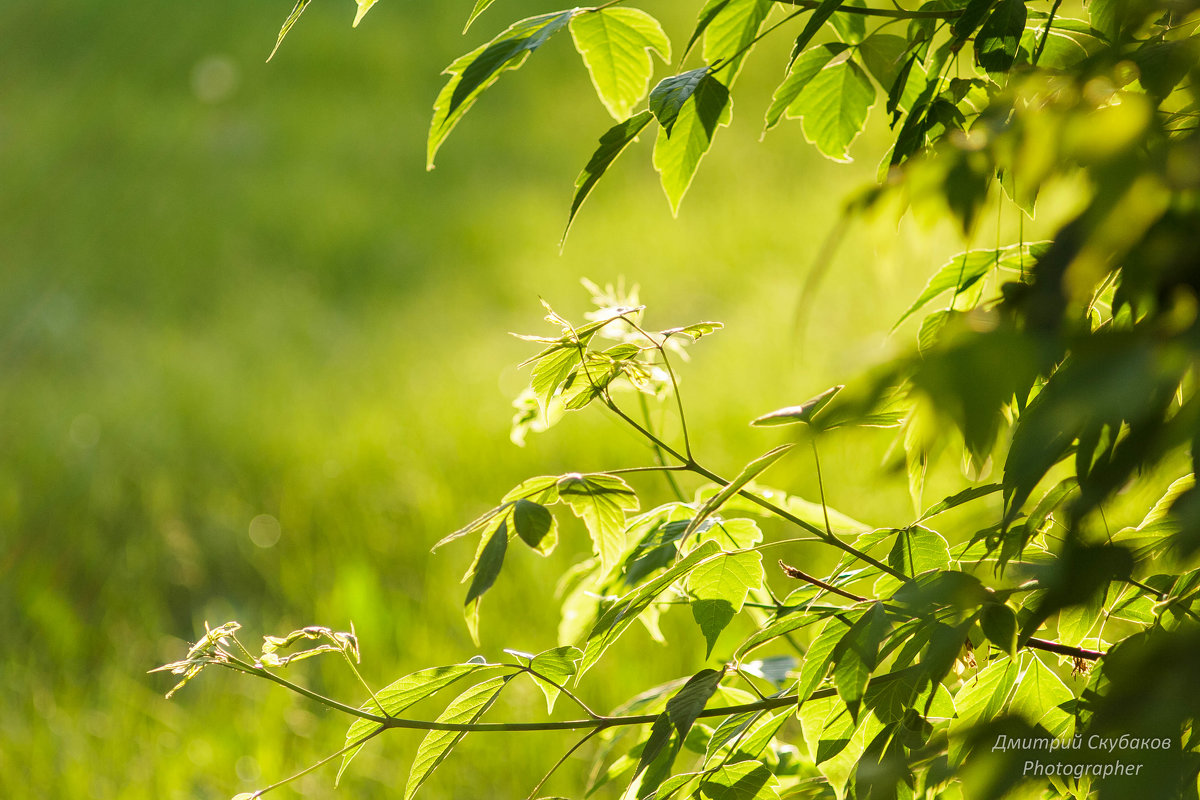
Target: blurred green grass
<point>230,289</point>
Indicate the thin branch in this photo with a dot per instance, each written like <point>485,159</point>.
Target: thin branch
<point>561,761</point>
<point>585,724</point>
<point>251,669</point>
<point>357,743</point>
<point>821,486</point>
<point>893,13</point>
<point>792,572</point>
<point>1064,649</point>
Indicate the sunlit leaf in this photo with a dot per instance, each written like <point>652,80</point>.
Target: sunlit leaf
<point>616,44</point>
<point>555,666</point>
<point>731,31</point>
<point>983,695</point>
<point>471,74</point>
<point>1041,697</point>
<point>748,473</point>
<point>719,588</point>
<point>468,707</point>
<point>669,96</point>
<point>918,549</point>
<point>834,107</point>
<point>484,573</point>
<point>480,7</point>
<point>363,7</point>
<point>965,496</point>
<point>297,10</point>
<point>802,413</point>
<point>744,780</point>
<point>856,655</point>
<point>601,502</point>
<point>400,694</point>
<point>680,147</point>
<point>963,270</point>
<point>622,613</point>
<point>819,17</point>
<point>819,655</point>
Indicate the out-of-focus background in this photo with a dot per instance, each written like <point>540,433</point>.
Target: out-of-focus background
<point>254,361</point>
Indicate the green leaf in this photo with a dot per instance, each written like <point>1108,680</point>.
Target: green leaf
<point>601,502</point>
<point>668,97</point>
<point>679,147</point>
<point>621,614</point>
<point>612,144</point>
<point>732,534</point>
<point>745,780</point>
<point>400,694</point>
<point>685,706</point>
<point>557,664</point>
<point>480,7</point>
<point>695,330</point>
<point>834,108</point>
<point>857,654</point>
<point>749,473</point>
<point>708,13</point>
<point>363,7</point>
<point>965,496</point>
<point>964,270</point>
<point>731,31</point>
<point>1068,43</point>
<point>1041,697</point>
<point>681,712</point>
<point>471,74</point>
<point>802,413</point>
<point>541,489</point>
<point>822,13</point>
<point>851,28</point>
<point>997,41</point>
<point>467,708</point>
<point>972,14</point>
<point>535,525</point>
<point>999,623</point>
<point>981,698</point>
<point>297,10</point>
<point>615,44</point>
<point>485,571</point>
<point>820,653</point>
<point>917,549</point>
<point>775,629</point>
<point>720,588</point>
